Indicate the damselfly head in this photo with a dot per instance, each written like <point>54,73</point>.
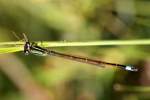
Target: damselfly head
<point>27,46</point>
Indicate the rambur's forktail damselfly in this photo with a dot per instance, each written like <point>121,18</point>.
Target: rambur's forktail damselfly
<point>33,48</point>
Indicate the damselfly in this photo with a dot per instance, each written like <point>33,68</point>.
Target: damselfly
<point>33,48</point>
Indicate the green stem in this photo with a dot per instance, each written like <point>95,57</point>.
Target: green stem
<point>95,43</point>
<point>7,47</point>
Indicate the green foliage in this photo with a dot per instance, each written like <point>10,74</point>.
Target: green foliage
<point>110,30</point>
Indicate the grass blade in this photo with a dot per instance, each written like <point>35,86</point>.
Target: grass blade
<point>95,43</point>
<point>9,47</point>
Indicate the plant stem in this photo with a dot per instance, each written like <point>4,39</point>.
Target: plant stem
<point>7,47</point>
<point>95,43</point>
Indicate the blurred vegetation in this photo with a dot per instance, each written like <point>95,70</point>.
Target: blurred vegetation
<point>51,78</point>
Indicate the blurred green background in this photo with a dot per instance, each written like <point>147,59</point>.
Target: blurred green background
<point>51,78</point>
